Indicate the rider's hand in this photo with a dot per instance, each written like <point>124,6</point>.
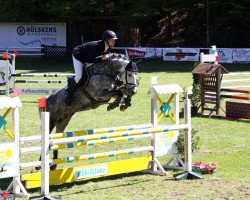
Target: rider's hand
<point>105,57</point>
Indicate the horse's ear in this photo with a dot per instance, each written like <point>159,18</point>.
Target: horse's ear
<point>132,66</point>
<point>137,62</point>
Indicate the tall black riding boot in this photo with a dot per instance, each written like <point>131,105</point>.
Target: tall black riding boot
<point>70,91</point>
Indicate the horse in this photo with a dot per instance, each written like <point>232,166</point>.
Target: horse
<point>115,78</point>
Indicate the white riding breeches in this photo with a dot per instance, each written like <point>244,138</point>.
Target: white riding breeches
<point>78,65</point>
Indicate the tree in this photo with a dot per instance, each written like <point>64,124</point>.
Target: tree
<point>151,22</point>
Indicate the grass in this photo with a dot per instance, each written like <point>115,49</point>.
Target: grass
<point>223,142</point>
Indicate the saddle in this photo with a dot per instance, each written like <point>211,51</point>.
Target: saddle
<point>87,72</point>
<point>83,81</point>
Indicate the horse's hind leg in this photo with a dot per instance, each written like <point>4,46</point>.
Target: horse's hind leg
<point>60,129</point>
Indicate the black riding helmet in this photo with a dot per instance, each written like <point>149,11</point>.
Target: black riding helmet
<point>109,35</point>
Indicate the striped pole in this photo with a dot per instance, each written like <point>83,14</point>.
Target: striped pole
<point>238,74</point>
<point>40,81</point>
<point>41,75</point>
<point>234,97</point>
<point>235,90</point>
<point>235,80</point>
<point>99,131</point>
<point>117,134</point>
<point>101,155</point>
<point>101,142</point>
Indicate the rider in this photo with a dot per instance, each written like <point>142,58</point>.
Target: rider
<point>86,54</point>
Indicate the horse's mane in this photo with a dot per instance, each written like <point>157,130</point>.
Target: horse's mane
<point>117,56</point>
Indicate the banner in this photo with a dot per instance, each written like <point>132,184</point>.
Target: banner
<point>181,54</point>
<point>32,34</point>
<point>225,55</point>
<point>133,53</point>
<point>241,55</point>
<point>154,52</point>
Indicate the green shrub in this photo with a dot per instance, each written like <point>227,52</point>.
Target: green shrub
<point>180,141</point>
<point>196,96</point>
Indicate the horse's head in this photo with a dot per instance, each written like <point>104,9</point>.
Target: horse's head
<point>127,72</point>
<point>129,77</point>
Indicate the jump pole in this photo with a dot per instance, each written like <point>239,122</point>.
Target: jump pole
<point>45,156</point>
<point>188,174</point>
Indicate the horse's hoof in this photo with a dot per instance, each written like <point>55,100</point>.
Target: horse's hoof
<point>108,108</point>
<point>111,107</point>
<point>123,107</point>
<point>38,168</point>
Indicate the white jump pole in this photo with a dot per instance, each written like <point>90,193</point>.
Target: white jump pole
<point>188,136</point>
<point>45,154</point>
<point>188,174</point>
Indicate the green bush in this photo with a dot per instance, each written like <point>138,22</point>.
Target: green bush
<point>180,141</point>
<point>196,96</point>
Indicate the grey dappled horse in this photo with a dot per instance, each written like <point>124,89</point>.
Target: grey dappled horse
<point>116,78</point>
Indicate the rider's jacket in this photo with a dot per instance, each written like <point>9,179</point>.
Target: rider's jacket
<point>90,52</point>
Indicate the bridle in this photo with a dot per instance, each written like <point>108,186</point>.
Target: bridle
<point>127,84</point>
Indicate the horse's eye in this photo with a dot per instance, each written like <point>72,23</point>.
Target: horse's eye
<point>129,75</point>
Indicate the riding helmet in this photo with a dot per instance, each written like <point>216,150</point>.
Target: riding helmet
<point>108,34</point>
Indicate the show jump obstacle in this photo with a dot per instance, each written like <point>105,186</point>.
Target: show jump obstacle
<point>7,72</point>
<point>214,89</point>
<point>161,138</point>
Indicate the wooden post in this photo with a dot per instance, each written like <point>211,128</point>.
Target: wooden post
<point>218,86</point>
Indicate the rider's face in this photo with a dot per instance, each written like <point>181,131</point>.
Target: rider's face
<point>111,42</point>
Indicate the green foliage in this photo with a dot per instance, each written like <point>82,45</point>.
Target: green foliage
<point>180,141</point>
<point>164,22</point>
<point>196,96</point>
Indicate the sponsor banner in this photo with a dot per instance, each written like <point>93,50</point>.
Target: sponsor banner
<point>32,34</point>
<point>225,55</point>
<point>38,91</point>
<point>241,55</point>
<point>9,160</point>
<point>154,52</point>
<point>91,172</point>
<point>133,53</point>
<point>181,54</point>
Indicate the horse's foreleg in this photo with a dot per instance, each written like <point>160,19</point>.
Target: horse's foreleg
<point>119,98</point>
<point>126,103</point>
